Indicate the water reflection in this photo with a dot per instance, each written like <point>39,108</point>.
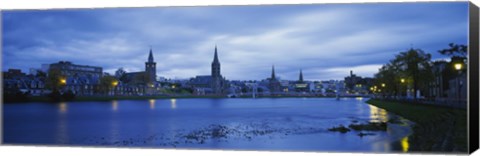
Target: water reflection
<point>62,134</point>
<point>152,104</point>
<point>114,105</point>
<point>173,103</point>
<point>378,114</point>
<point>62,107</point>
<point>405,144</point>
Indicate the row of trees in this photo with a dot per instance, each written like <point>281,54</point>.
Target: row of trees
<point>413,68</point>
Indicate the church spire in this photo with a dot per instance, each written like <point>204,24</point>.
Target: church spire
<point>215,57</point>
<point>273,73</point>
<point>216,65</point>
<point>301,76</point>
<point>150,56</point>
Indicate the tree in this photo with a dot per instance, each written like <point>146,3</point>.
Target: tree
<point>41,74</point>
<point>458,50</point>
<point>416,66</point>
<point>106,83</point>
<point>386,79</point>
<point>121,74</point>
<point>55,79</point>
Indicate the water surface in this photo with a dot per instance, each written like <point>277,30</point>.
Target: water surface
<point>280,124</point>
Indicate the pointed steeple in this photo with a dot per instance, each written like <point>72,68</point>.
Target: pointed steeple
<point>150,56</point>
<point>273,73</point>
<point>301,76</point>
<point>216,65</point>
<point>215,57</point>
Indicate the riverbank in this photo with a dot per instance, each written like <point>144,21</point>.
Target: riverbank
<point>437,129</point>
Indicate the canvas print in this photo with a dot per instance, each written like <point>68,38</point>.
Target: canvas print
<point>375,78</point>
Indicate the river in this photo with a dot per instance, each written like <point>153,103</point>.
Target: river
<point>272,124</point>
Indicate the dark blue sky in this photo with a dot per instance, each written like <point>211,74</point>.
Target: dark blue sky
<point>326,41</point>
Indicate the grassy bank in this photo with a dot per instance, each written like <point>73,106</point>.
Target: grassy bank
<point>437,129</point>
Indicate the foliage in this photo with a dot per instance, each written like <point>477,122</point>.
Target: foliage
<point>413,66</point>
<point>121,74</point>
<point>41,74</point>
<point>106,83</point>
<point>15,95</point>
<point>457,50</point>
<point>68,96</point>
<point>54,78</point>
<point>55,96</point>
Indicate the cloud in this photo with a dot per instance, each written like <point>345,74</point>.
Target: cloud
<point>325,41</point>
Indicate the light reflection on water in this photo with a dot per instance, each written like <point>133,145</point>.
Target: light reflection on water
<point>173,103</point>
<point>62,133</point>
<point>381,115</point>
<point>115,105</point>
<point>405,144</point>
<point>62,107</point>
<point>138,121</point>
<point>378,114</point>
<point>152,104</point>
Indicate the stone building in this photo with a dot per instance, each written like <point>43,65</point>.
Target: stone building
<point>300,85</point>
<point>142,82</point>
<point>69,69</point>
<point>210,84</point>
<point>274,84</point>
<point>80,79</point>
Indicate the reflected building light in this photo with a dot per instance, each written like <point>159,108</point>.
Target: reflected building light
<point>405,144</point>
<point>114,105</point>
<point>173,103</point>
<point>359,98</point>
<point>62,107</point>
<point>152,103</point>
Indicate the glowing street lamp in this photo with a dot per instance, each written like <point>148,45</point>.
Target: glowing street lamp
<point>402,80</point>
<point>114,83</point>
<point>383,84</point>
<point>63,81</point>
<point>458,66</point>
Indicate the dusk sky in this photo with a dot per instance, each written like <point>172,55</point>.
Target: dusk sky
<point>326,41</point>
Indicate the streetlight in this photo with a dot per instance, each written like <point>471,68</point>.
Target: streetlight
<point>114,84</point>
<point>63,81</point>
<point>383,84</point>
<point>402,80</point>
<point>458,67</point>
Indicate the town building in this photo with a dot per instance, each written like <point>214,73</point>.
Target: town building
<point>357,85</point>
<point>273,83</point>
<point>142,82</point>
<point>438,86</point>
<point>80,79</point>
<point>69,69</point>
<point>300,85</point>
<point>210,84</point>
<point>14,80</point>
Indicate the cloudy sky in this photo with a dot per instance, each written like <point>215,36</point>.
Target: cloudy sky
<point>325,41</point>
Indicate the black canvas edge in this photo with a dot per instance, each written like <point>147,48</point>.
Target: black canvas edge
<point>473,78</point>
